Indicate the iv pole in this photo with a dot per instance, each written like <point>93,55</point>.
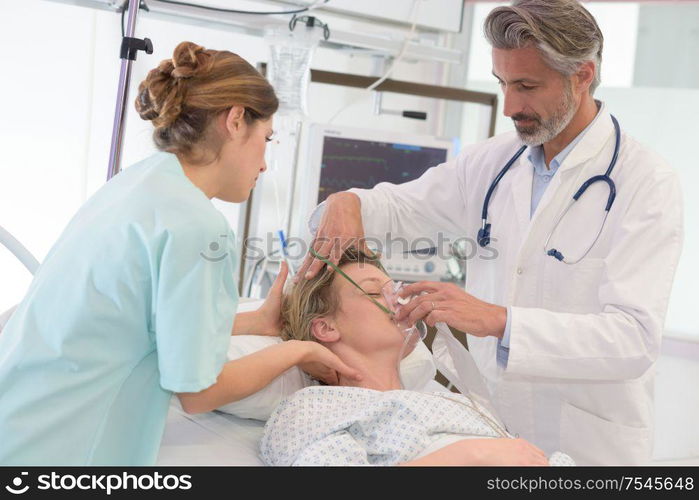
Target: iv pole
<point>129,49</point>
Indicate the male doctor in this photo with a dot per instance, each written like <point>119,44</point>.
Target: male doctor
<point>567,347</point>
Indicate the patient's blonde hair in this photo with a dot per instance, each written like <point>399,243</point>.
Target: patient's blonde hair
<point>314,298</point>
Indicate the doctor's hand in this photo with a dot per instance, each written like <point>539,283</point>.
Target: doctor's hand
<point>506,451</point>
<point>498,451</point>
<point>447,302</point>
<point>340,228</point>
<point>322,364</point>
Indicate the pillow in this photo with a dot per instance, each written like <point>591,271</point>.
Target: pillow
<point>261,404</point>
<point>416,370</point>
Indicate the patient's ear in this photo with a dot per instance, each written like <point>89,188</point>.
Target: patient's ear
<point>323,329</point>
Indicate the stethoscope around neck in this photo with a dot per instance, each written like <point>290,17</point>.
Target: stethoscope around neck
<point>484,231</point>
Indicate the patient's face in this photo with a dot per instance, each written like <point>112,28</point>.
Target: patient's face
<point>362,324</point>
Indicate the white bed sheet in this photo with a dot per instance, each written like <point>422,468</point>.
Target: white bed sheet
<point>209,439</point>
<point>216,438</point>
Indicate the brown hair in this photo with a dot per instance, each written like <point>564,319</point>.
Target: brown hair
<point>184,94</point>
<point>313,298</point>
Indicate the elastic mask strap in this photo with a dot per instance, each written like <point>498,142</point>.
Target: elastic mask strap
<point>342,273</point>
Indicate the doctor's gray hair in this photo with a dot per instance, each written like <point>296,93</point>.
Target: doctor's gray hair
<point>564,31</point>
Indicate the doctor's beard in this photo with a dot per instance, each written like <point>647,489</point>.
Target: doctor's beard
<point>543,131</point>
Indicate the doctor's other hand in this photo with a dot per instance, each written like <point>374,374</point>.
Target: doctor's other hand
<point>489,451</point>
<point>436,301</point>
<point>340,228</point>
<point>507,451</point>
<point>269,318</point>
<point>322,364</point>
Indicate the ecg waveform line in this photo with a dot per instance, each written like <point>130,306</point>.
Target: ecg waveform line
<point>340,184</point>
<point>363,159</point>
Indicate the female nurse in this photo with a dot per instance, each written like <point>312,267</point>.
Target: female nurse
<point>136,300</point>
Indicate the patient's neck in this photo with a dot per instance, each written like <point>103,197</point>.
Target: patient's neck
<point>378,370</point>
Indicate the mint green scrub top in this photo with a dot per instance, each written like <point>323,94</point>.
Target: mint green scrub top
<point>135,301</point>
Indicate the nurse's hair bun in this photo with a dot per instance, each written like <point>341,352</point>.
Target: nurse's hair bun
<point>190,59</point>
<point>163,92</point>
<point>183,95</point>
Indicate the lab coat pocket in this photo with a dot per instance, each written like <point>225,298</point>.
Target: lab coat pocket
<point>593,440</point>
<point>573,288</point>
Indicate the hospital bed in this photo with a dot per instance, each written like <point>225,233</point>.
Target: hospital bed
<point>215,438</point>
<point>218,438</point>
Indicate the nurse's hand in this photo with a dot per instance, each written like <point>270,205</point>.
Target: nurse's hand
<point>322,364</point>
<point>447,302</point>
<point>267,319</point>
<point>269,316</point>
<point>340,228</point>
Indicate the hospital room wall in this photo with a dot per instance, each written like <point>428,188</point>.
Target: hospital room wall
<point>47,73</point>
<point>59,94</point>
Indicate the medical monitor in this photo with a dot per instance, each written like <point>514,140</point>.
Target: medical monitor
<point>347,161</point>
<point>340,158</point>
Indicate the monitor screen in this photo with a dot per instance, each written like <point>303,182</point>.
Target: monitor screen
<point>348,163</point>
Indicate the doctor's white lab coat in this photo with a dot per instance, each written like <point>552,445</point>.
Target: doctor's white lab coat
<point>584,337</point>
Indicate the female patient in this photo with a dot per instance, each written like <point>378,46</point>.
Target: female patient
<point>373,421</point>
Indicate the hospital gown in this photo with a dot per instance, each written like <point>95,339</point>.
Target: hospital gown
<point>354,426</point>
